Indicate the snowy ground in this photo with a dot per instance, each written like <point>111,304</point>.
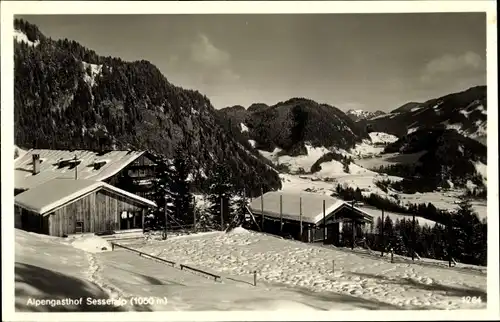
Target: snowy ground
<point>442,200</point>
<point>374,146</point>
<point>366,182</point>
<point>375,162</point>
<point>304,162</point>
<point>360,176</point>
<point>46,268</point>
<point>56,268</point>
<point>309,269</point>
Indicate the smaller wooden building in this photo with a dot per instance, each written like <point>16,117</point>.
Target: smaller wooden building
<point>308,217</point>
<point>68,206</point>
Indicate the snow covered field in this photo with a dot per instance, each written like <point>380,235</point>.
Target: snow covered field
<point>290,275</point>
<point>375,162</point>
<point>332,173</point>
<point>374,146</point>
<point>443,200</point>
<point>55,268</point>
<point>309,268</point>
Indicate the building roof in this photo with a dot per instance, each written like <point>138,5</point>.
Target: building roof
<point>113,162</point>
<point>50,195</point>
<point>312,206</point>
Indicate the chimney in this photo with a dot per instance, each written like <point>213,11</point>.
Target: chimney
<point>36,164</point>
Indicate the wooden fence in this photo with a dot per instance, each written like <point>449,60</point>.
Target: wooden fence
<point>171,263</point>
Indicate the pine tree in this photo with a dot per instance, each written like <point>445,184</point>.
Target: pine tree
<point>388,232</point>
<point>162,194</point>
<point>181,188</point>
<point>468,240</point>
<point>239,207</point>
<point>400,237</point>
<point>220,193</point>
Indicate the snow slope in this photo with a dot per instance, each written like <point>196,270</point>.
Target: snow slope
<point>374,146</point>
<point>49,268</point>
<point>382,138</point>
<point>303,161</point>
<point>281,262</point>
<point>46,268</point>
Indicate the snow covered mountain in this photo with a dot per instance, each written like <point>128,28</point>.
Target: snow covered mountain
<point>464,112</point>
<point>357,115</point>
<point>295,123</point>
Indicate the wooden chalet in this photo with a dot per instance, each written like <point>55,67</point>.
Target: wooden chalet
<point>67,206</point>
<point>131,171</point>
<point>307,217</point>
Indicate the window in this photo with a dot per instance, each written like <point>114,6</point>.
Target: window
<point>79,227</point>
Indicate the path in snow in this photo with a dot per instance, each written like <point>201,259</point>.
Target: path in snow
<point>282,262</point>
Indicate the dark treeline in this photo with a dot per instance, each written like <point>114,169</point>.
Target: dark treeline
<point>460,234</point>
<point>173,193</point>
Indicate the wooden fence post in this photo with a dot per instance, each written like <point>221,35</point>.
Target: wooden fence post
<point>300,217</point>
<point>413,238</point>
<point>262,208</point>
<point>143,212</point>
<point>194,220</point>
<point>254,278</point>
<point>382,235</point>
<point>222,213</point>
<point>281,214</point>
<point>450,231</point>
<point>353,226</point>
<point>324,222</point>
<point>333,266</point>
<point>166,219</point>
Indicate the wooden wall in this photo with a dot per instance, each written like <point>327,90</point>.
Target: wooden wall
<point>142,168</point>
<point>99,211</point>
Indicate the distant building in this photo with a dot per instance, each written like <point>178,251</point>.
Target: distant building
<point>132,171</point>
<point>61,207</point>
<point>294,210</point>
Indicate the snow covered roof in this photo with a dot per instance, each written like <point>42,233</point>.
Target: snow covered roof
<point>57,192</point>
<point>312,206</point>
<point>49,167</point>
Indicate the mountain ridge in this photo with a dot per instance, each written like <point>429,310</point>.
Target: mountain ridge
<point>465,112</point>
<point>290,124</point>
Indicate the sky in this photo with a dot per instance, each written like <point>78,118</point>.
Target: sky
<point>351,61</point>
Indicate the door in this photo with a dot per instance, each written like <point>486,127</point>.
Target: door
<point>130,220</point>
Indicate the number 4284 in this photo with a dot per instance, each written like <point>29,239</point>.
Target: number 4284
<point>471,299</point>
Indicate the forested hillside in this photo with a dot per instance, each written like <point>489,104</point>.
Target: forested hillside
<point>289,125</point>
<point>69,97</point>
